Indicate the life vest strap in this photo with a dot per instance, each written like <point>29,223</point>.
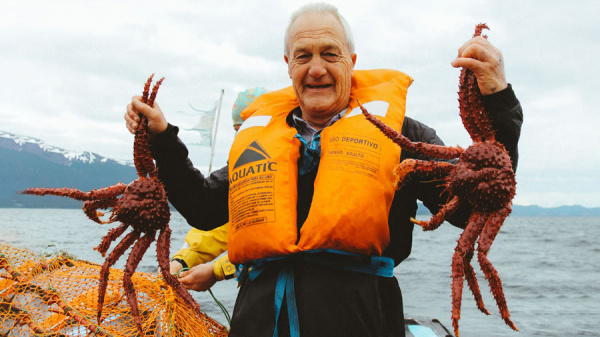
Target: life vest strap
<point>372,265</point>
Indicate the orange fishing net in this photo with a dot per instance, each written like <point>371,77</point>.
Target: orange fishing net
<point>57,296</point>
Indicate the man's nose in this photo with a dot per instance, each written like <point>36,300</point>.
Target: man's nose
<point>317,67</point>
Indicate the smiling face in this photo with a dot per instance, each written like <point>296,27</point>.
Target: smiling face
<point>320,65</point>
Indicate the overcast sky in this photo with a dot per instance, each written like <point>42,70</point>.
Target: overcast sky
<point>69,68</point>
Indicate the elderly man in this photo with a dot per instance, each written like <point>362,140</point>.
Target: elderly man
<point>309,187</point>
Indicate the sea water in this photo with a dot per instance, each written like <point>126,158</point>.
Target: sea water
<point>550,269</point>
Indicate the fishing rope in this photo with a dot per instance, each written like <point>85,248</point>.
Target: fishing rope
<point>225,312</point>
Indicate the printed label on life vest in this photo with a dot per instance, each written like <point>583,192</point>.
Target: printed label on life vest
<point>251,188</point>
<point>254,202</point>
<point>352,153</point>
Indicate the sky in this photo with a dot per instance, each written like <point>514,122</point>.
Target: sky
<point>69,68</point>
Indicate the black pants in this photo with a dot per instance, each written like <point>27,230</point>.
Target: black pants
<point>330,302</point>
<point>391,299</point>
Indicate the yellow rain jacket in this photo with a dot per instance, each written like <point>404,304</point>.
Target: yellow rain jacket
<point>205,246</point>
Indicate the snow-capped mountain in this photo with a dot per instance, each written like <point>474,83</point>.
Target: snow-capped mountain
<point>29,162</point>
<point>60,156</point>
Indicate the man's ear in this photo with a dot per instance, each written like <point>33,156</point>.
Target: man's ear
<point>287,61</point>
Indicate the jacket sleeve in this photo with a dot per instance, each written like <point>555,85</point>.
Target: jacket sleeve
<point>201,201</point>
<point>507,116</point>
<point>203,246</point>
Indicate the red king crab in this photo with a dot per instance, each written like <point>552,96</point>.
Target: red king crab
<point>143,206</point>
<point>483,177</point>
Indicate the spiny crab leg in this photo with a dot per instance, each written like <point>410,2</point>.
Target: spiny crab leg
<point>90,208</point>
<point>465,244</point>
<point>103,198</point>
<point>411,169</point>
<point>476,120</point>
<point>447,210</point>
<point>112,258</point>
<point>111,236</point>
<point>162,249</point>
<point>437,151</point>
<point>144,163</point>
<point>146,91</point>
<point>491,229</point>
<point>73,193</point>
<point>137,252</point>
<point>150,101</point>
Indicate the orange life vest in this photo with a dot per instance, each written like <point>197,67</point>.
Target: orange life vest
<point>354,186</point>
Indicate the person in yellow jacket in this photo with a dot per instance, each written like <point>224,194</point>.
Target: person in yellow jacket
<point>200,246</point>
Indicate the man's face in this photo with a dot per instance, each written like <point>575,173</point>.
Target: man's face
<point>320,65</point>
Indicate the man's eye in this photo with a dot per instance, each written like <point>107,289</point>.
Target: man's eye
<point>330,56</point>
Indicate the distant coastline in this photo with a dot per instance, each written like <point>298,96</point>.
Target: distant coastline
<point>555,211</point>
<point>534,210</point>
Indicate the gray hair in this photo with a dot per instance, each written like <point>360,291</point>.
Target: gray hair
<point>319,8</point>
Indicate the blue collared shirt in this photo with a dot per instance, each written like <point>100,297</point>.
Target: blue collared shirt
<point>310,152</point>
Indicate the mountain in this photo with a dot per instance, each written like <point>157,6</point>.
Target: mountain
<point>555,211</point>
<point>519,210</point>
<point>28,162</point>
